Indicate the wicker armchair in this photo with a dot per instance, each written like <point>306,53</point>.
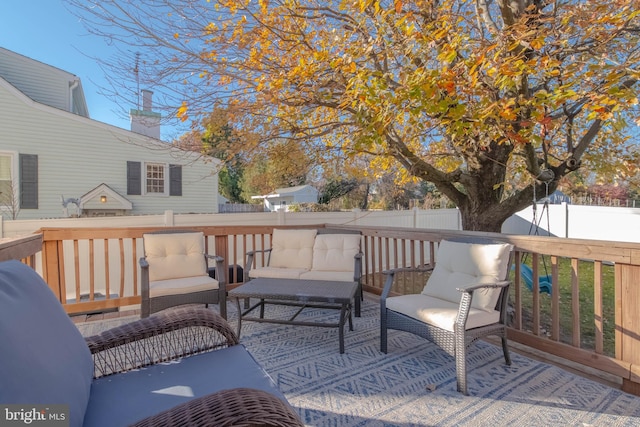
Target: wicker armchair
<point>464,299</point>
<point>175,272</point>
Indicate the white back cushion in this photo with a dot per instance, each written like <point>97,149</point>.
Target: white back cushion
<point>174,255</point>
<point>335,252</point>
<point>292,248</point>
<point>460,265</point>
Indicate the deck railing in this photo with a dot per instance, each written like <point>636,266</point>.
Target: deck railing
<point>97,269</point>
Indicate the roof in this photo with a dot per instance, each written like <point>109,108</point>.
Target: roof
<point>43,83</point>
<point>104,197</point>
<point>287,191</point>
<point>50,67</point>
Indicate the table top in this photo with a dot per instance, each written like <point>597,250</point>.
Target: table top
<point>296,290</point>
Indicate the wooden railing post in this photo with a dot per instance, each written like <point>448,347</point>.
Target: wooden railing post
<point>628,322</point>
<point>51,266</point>
<point>221,247</point>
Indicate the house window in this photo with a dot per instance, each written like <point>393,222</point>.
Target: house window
<point>155,178</point>
<point>6,178</point>
<point>18,182</point>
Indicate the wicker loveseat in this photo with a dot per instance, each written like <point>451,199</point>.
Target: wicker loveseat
<point>179,367</point>
<point>310,254</point>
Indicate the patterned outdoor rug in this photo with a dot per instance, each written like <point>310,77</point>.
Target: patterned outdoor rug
<point>364,387</point>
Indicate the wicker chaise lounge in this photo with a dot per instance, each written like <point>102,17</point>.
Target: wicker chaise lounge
<point>464,299</point>
<point>179,367</point>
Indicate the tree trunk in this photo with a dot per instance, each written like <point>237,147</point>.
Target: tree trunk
<point>365,201</point>
<point>481,221</point>
<point>483,204</point>
<point>481,211</point>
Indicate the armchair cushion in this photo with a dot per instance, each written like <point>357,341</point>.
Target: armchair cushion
<point>292,248</point>
<point>184,285</point>
<point>439,313</point>
<point>122,399</point>
<point>175,255</point>
<point>461,264</point>
<point>335,252</point>
<point>44,358</point>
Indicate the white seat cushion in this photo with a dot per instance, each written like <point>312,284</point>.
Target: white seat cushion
<point>335,276</point>
<point>276,272</point>
<point>292,248</point>
<point>335,252</point>
<point>439,312</point>
<point>183,285</point>
<point>461,265</point>
<point>174,255</point>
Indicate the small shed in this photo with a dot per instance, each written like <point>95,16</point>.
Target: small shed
<point>281,198</point>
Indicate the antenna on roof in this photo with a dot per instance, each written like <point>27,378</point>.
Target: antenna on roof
<point>136,70</point>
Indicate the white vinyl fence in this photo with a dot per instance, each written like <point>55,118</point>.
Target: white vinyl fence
<point>577,222</point>
<point>436,219</point>
<point>563,220</point>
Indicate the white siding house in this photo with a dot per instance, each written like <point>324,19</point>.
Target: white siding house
<point>55,161</point>
<point>282,198</point>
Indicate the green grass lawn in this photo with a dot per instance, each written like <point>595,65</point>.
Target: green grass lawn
<point>586,298</point>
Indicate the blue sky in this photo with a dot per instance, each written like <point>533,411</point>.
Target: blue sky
<point>46,31</point>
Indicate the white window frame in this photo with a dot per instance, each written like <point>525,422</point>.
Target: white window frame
<point>165,179</point>
<point>13,177</point>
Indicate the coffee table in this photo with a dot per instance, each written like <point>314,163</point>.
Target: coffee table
<point>323,294</point>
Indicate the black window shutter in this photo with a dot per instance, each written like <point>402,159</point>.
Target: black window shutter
<point>28,181</point>
<point>134,178</point>
<point>175,180</point>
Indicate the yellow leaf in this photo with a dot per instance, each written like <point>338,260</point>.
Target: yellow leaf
<point>537,43</point>
<point>182,112</point>
<point>176,35</point>
<point>352,67</point>
<point>398,5</point>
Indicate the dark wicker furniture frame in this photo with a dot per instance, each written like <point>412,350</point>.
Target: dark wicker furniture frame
<point>152,305</point>
<point>454,343</point>
<point>171,335</point>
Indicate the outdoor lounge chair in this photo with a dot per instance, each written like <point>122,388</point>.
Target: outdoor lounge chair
<point>175,272</point>
<point>464,299</point>
<point>179,367</point>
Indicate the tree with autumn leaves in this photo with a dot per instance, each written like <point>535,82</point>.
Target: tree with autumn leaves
<point>492,101</point>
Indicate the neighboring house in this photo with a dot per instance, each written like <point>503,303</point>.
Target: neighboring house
<point>55,161</point>
<point>558,197</point>
<point>282,198</point>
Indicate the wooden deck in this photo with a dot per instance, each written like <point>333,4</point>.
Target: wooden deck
<point>101,261</point>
